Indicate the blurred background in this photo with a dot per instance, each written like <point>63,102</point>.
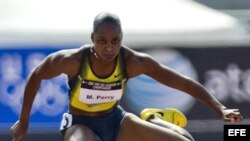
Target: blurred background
<point>209,41</point>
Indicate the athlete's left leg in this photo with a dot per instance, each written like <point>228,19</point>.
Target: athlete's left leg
<point>158,121</point>
<point>135,129</point>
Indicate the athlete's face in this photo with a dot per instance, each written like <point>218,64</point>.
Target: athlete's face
<point>107,41</point>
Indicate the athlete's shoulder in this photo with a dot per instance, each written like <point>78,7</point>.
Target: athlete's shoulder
<point>66,56</point>
<point>136,61</point>
<point>133,53</point>
<point>71,52</point>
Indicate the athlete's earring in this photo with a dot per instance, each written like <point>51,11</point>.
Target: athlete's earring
<point>94,53</point>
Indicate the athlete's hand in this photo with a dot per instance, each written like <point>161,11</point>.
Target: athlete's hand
<point>232,115</point>
<point>19,130</point>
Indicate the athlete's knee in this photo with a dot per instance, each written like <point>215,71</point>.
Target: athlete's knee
<point>130,124</point>
<point>130,120</point>
<point>129,128</point>
<point>80,133</point>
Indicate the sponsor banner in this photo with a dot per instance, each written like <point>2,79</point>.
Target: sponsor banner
<point>225,72</point>
<point>51,101</point>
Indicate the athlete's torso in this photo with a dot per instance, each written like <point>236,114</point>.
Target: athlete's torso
<point>90,93</point>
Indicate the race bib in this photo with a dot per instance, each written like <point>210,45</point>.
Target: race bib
<point>97,92</point>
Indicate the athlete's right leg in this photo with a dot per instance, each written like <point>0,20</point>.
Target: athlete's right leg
<point>80,133</point>
<point>135,129</point>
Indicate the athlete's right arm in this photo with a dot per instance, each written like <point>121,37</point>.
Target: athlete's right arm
<point>53,65</point>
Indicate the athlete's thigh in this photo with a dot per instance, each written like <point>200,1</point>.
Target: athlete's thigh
<point>136,129</point>
<point>80,133</point>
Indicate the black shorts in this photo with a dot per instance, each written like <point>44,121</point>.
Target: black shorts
<point>105,126</point>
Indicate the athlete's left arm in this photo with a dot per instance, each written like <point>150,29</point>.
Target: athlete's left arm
<point>173,79</point>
